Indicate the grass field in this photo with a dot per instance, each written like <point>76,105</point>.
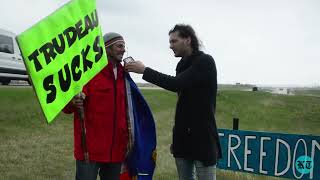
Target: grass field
<point>32,149</point>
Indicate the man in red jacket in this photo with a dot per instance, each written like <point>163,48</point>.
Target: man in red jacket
<point>105,125</point>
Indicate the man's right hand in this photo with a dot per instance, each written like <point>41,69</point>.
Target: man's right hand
<point>135,66</point>
<point>78,99</point>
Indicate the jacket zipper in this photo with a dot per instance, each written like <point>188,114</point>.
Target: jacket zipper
<point>114,116</point>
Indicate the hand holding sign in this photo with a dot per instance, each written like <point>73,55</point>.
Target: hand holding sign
<point>78,99</point>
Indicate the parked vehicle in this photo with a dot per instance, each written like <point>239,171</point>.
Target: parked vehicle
<point>11,63</point>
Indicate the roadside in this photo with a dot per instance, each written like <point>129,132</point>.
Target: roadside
<point>16,83</point>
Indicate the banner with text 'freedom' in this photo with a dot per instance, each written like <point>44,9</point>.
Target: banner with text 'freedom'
<point>272,154</point>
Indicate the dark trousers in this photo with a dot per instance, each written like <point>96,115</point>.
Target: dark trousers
<point>89,171</point>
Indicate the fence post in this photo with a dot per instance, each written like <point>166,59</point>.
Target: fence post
<point>235,123</point>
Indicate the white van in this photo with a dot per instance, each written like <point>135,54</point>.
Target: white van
<point>11,63</point>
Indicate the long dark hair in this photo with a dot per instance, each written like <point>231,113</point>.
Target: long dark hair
<point>186,31</point>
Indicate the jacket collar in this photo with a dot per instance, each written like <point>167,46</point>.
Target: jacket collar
<point>108,70</point>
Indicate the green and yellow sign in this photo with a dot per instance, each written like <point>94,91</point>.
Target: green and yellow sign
<point>62,53</point>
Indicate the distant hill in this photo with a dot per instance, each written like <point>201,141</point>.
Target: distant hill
<point>146,85</point>
<point>307,91</point>
<point>238,86</point>
<point>220,86</point>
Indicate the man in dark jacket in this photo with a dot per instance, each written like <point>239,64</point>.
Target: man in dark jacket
<point>100,143</point>
<point>196,145</point>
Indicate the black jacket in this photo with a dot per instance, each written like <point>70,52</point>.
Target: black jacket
<point>195,133</point>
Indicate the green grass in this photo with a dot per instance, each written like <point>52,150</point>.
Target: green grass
<point>262,111</point>
<point>32,149</point>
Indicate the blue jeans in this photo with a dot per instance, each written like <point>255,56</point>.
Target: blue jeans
<point>189,169</point>
<point>89,171</point>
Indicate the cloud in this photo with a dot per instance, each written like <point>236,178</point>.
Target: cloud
<point>263,42</point>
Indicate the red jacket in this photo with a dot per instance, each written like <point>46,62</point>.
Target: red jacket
<point>105,118</point>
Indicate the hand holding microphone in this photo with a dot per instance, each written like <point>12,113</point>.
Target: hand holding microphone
<point>131,65</point>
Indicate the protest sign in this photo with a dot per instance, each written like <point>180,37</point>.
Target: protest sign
<point>62,53</point>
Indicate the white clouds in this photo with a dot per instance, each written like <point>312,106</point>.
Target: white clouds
<point>252,41</point>
<point>18,15</point>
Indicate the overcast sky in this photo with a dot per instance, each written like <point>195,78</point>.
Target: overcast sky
<point>263,42</point>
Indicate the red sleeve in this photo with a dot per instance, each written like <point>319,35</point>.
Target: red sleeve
<point>69,108</point>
